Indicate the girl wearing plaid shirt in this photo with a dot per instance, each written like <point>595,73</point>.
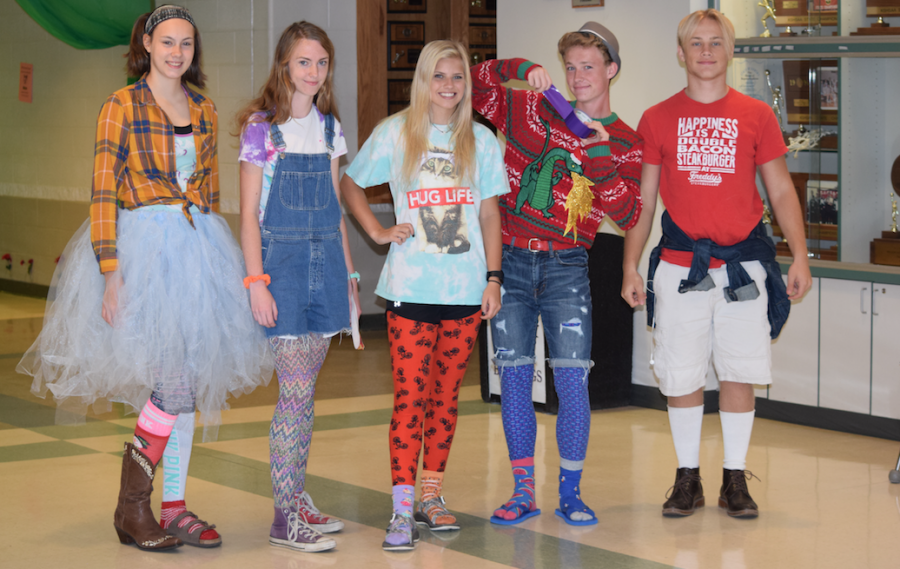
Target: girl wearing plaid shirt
<point>164,325</point>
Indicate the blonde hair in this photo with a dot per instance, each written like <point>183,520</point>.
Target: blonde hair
<point>417,124</point>
<point>582,39</point>
<point>689,24</point>
<point>275,97</point>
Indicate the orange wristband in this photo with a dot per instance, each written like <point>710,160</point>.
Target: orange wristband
<point>264,278</point>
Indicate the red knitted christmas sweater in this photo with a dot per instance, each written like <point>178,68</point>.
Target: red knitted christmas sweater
<point>541,155</point>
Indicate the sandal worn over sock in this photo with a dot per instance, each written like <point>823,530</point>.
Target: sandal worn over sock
<point>191,532</point>
<point>431,510</point>
<point>570,499</point>
<point>402,534</point>
<point>521,505</point>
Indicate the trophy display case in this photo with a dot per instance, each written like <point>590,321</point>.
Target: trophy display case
<point>835,95</point>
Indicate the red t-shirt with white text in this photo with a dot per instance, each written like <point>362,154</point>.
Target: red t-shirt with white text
<point>709,153</point>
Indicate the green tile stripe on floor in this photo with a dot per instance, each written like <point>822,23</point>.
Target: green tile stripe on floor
<point>26,414</point>
<point>21,413</point>
<point>509,545</point>
<point>37,451</point>
<point>376,417</point>
<point>17,356</point>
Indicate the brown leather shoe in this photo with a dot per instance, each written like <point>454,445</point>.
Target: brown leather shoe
<point>133,520</point>
<point>735,496</point>
<point>685,495</point>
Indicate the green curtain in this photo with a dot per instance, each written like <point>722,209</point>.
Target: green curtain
<point>87,24</point>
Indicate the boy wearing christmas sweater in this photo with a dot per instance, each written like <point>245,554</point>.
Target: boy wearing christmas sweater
<point>563,186</point>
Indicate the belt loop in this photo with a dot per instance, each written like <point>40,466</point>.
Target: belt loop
<point>550,247</point>
<point>512,241</point>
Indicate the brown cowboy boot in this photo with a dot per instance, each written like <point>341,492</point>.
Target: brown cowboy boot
<point>735,496</point>
<point>133,520</point>
<point>685,495</point>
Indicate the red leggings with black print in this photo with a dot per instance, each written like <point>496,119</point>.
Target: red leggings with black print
<point>429,362</point>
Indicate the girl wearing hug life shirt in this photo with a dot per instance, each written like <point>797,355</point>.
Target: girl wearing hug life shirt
<point>442,274</point>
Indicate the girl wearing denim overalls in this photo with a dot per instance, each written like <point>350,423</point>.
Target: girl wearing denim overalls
<point>298,259</point>
<point>442,274</point>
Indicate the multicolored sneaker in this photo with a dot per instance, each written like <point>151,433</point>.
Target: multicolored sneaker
<point>314,518</point>
<point>299,536</point>
<point>402,534</point>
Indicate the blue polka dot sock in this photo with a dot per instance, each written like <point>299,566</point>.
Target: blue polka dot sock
<point>570,503</point>
<point>573,423</point>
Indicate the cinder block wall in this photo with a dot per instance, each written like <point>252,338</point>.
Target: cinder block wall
<point>46,147</point>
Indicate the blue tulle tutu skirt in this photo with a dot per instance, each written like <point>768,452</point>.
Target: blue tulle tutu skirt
<point>183,320</point>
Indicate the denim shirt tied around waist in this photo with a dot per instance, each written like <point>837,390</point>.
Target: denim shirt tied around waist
<point>757,247</point>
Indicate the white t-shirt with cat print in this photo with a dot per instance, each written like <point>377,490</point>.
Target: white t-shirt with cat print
<point>444,262</point>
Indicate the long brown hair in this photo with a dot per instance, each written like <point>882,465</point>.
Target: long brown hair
<point>275,98</point>
<point>138,61</point>
<point>417,125</point>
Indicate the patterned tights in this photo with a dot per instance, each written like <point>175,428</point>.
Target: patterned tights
<point>297,363</point>
<point>429,362</point>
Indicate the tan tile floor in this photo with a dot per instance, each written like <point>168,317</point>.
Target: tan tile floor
<point>825,497</point>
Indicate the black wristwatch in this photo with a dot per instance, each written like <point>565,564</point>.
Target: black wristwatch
<point>498,274</point>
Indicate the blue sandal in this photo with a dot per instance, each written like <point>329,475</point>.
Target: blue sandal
<point>519,506</point>
<point>574,505</point>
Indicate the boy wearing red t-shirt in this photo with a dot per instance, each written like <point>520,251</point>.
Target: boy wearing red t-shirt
<point>713,278</point>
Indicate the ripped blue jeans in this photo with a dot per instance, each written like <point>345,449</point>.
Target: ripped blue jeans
<point>555,285</point>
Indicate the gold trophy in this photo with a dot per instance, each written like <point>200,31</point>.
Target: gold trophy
<point>886,249</point>
<point>769,6</point>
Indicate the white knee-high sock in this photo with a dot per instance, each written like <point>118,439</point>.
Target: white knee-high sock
<point>686,424</point>
<point>736,431</point>
<point>177,458</point>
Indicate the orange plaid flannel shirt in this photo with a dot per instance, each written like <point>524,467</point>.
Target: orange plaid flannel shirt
<point>134,163</point>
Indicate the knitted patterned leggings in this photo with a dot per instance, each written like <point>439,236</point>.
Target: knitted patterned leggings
<point>429,362</point>
<point>297,363</point>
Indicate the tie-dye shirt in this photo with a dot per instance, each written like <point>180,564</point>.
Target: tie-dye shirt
<point>185,158</point>
<point>444,263</point>
<point>301,136</point>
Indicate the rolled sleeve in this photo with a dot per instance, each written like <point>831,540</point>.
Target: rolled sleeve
<point>110,154</point>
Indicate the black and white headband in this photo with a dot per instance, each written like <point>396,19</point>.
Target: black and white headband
<point>167,12</point>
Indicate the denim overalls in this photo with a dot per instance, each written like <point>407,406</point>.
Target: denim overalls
<point>301,243</point>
